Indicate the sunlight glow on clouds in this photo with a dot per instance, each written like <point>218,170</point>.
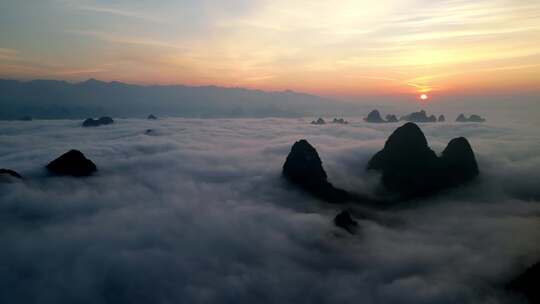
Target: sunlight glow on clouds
<point>335,48</point>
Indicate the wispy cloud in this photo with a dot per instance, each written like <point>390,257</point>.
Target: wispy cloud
<point>122,39</point>
<point>117,12</point>
<point>8,54</point>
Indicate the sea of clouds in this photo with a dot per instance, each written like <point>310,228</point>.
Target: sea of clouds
<point>197,212</point>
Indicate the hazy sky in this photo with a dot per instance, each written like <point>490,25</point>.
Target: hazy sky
<point>325,47</point>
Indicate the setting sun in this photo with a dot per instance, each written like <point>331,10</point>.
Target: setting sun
<point>423,97</point>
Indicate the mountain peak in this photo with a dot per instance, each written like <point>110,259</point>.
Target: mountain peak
<point>92,81</point>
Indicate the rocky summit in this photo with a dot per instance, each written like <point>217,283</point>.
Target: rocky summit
<point>374,117</point>
<point>303,167</point>
<point>473,118</point>
<point>319,121</point>
<point>458,162</point>
<point>72,163</point>
<point>341,121</point>
<point>420,116</point>
<point>105,120</point>
<point>391,118</point>
<point>411,169</point>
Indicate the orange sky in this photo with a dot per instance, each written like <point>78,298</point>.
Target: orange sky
<point>337,48</point>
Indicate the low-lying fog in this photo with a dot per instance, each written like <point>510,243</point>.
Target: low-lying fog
<point>196,212</point>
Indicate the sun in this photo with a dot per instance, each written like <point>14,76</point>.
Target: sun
<point>424,97</point>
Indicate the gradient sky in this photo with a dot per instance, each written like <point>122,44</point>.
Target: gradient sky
<point>337,48</point>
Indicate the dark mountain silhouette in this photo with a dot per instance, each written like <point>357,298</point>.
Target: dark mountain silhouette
<point>90,122</point>
<point>458,162</point>
<point>374,117</point>
<point>476,118</point>
<point>411,169</point>
<point>303,167</point>
<point>93,98</point>
<point>442,118</point>
<point>152,117</point>
<point>7,175</point>
<point>340,121</point>
<point>344,220</point>
<point>72,163</point>
<point>391,118</point>
<point>319,121</point>
<point>526,284</point>
<point>472,118</point>
<point>462,118</point>
<point>419,117</point>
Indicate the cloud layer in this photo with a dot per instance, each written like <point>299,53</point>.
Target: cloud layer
<point>197,212</point>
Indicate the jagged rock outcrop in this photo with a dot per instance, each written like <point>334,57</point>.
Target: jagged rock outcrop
<point>374,117</point>
<point>105,120</point>
<point>391,118</point>
<point>319,121</point>
<point>442,118</point>
<point>526,284</point>
<point>419,117</point>
<point>7,176</point>
<point>472,118</point>
<point>411,169</point>
<point>303,167</point>
<point>340,121</point>
<point>72,163</point>
<point>152,117</point>
<point>344,220</point>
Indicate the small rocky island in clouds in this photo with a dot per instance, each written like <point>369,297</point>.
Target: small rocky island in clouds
<point>72,163</point>
<point>472,118</point>
<point>418,117</point>
<point>102,121</point>
<point>411,169</point>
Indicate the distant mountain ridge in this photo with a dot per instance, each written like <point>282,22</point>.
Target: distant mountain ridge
<point>50,99</point>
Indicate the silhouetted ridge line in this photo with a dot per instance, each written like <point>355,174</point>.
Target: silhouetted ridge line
<point>8,175</point>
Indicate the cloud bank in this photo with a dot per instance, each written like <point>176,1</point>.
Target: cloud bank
<point>196,212</point>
